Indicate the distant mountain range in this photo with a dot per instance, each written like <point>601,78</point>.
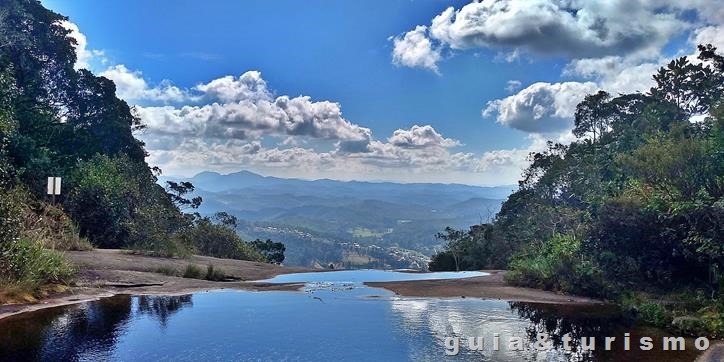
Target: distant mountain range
<point>327,221</point>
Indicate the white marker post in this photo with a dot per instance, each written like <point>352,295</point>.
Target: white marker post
<point>53,187</point>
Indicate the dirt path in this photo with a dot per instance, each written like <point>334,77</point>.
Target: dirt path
<point>492,286</point>
<point>104,273</point>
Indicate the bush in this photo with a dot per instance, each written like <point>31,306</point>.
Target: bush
<point>272,252</point>
<point>49,226</point>
<point>479,247</point>
<point>27,262</point>
<point>653,313</point>
<point>559,264</point>
<point>442,261</point>
<point>713,319</point>
<point>170,246</point>
<point>156,230</point>
<point>192,272</point>
<point>220,241</point>
<point>214,274</point>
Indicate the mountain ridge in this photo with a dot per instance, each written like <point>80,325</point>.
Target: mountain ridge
<point>202,179</point>
<point>324,221</point>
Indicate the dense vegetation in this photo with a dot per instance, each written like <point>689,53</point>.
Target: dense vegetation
<point>59,121</point>
<point>635,204</point>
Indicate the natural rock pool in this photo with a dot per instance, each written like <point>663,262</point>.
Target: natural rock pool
<point>335,318</point>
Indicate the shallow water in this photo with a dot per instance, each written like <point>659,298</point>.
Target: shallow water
<point>369,275</point>
<point>334,318</point>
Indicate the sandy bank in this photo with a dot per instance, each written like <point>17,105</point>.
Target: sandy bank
<point>492,286</point>
<point>104,273</point>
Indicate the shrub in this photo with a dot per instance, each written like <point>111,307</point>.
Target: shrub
<point>219,241</point>
<point>442,261</point>
<point>713,319</point>
<point>214,274</point>
<point>168,247</point>
<point>27,262</point>
<point>653,313</point>
<point>51,227</point>
<point>273,252</point>
<point>559,264</point>
<point>156,230</point>
<point>24,262</point>
<point>102,199</point>
<point>192,271</point>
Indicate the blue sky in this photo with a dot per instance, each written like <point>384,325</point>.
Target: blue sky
<point>387,65</point>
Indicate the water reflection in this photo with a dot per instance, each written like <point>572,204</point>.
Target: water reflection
<point>465,318</point>
<point>161,308</point>
<point>598,322</point>
<point>80,332</point>
<point>576,322</point>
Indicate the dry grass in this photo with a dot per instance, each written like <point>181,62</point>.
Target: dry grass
<point>11,293</point>
<point>50,226</point>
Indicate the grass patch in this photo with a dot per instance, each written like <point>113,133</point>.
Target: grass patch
<point>686,312</point>
<point>26,262</point>
<point>28,293</point>
<point>214,274</point>
<point>29,271</point>
<point>192,272</point>
<point>167,270</point>
<point>49,225</point>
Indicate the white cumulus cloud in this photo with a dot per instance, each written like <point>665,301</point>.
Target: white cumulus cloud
<point>568,28</point>
<point>248,86</point>
<point>541,107</point>
<point>421,137</point>
<point>131,86</point>
<point>414,49</point>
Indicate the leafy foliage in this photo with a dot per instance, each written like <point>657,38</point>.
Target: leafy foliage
<point>178,191</point>
<point>49,226</point>
<point>218,240</point>
<point>25,262</point>
<point>559,264</point>
<point>473,249</point>
<point>273,252</point>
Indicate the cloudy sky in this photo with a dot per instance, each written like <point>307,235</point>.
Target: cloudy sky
<point>411,91</point>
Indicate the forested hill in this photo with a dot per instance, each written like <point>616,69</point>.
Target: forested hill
<point>306,213</point>
<point>216,182</point>
<point>635,204</point>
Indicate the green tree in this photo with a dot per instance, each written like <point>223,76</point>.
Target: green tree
<point>273,252</point>
<point>178,192</point>
<point>219,241</point>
